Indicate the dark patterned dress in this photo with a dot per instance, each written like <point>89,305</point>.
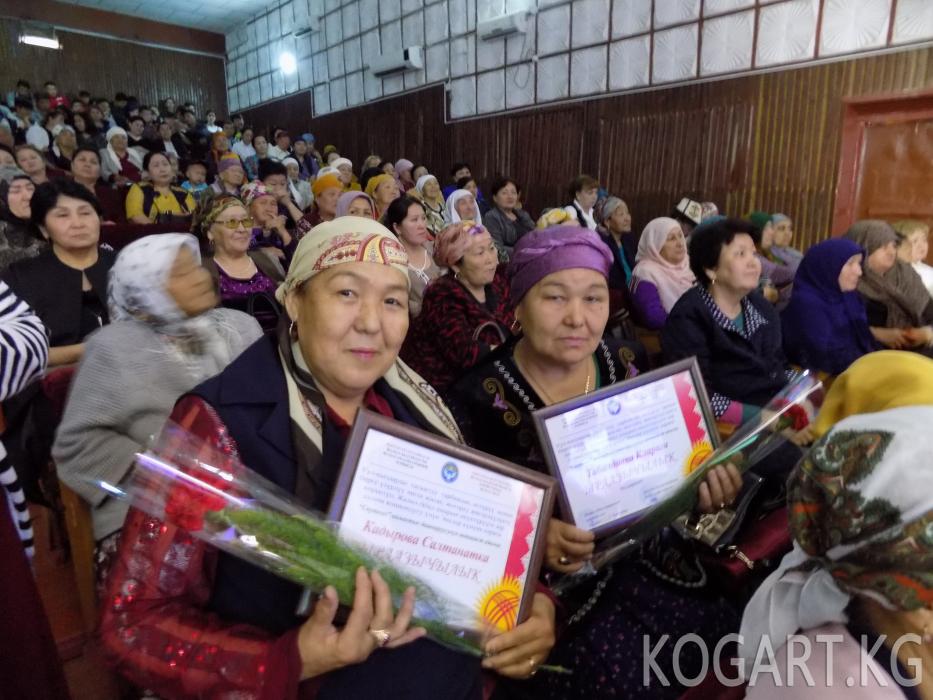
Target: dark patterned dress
<point>628,605</point>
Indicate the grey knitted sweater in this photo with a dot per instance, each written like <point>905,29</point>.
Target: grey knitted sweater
<point>123,392</point>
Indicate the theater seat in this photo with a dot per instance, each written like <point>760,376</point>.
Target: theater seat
<point>78,524</point>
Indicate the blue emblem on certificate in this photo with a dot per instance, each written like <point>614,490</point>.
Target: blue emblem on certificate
<point>449,472</point>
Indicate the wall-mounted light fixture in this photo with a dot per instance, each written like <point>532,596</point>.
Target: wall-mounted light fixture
<point>35,35</point>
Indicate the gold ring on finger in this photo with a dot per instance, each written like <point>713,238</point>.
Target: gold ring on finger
<point>382,637</point>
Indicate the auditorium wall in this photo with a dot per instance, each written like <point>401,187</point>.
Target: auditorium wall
<point>107,66</point>
<point>768,141</point>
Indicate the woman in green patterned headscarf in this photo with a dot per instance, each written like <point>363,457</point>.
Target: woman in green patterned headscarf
<point>861,511</point>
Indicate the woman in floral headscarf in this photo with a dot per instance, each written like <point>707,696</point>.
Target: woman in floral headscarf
<point>285,407</point>
<point>861,511</point>
<point>165,337</point>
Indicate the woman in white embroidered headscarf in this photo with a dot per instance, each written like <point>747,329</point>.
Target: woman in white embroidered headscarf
<point>462,206</point>
<point>119,163</point>
<point>164,338</point>
<point>429,189</point>
<point>861,512</point>
<point>662,271</point>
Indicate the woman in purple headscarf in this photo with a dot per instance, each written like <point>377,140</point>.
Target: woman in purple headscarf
<point>825,327</point>
<point>558,282</point>
<point>355,203</point>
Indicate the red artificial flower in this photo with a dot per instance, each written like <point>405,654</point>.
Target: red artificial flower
<point>795,417</point>
<point>189,501</point>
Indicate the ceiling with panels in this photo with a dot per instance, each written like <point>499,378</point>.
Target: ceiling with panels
<point>210,15</point>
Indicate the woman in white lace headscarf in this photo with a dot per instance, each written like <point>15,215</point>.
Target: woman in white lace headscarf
<point>165,337</point>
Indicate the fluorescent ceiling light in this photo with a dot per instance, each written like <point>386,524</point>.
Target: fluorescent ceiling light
<point>287,62</point>
<point>46,42</point>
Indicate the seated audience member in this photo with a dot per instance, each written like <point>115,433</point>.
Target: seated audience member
<point>465,313</point>
<point>688,213</point>
<point>419,171</point>
<point>243,147</point>
<point>860,509</point>
<point>708,209</point>
<point>355,203</point>
<point>461,206</point>
<point>345,174</point>
<point>85,170</point>
<point>261,146</point>
<point>7,141</point>
<point>307,163</point>
<point>282,148</point>
<point>19,238</point>
<point>403,168</point>
<point>7,159</point>
<point>899,308</point>
<point>230,175</point>
<point>384,190</point>
<point>120,164</point>
<point>274,176</point>
<point>32,162</point>
<point>913,248</point>
<point>220,146</point>
<point>783,235</point>
<point>371,161</point>
<point>615,228</point>
<point>506,221</point>
<point>246,279</point>
<point>584,191</point>
<point>470,185</point>
<point>157,199</point>
<point>64,145</point>
<point>66,284</point>
<point>84,133</point>
<point>774,271</point>
<point>387,167</point>
<point>55,99</point>
<point>136,135</point>
<point>309,139</point>
<point>269,230</point>
<point>365,176</point>
<point>238,614</point>
<point>406,219</point>
<point>38,135</point>
<point>195,179</point>
<point>169,141</point>
<point>326,190</point>
<point>210,123</point>
<point>164,338</point>
<point>734,333</point>
<point>457,171</point>
<point>660,590</point>
<point>662,273</point>
<point>824,326</point>
<point>428,190</point>
<point>299,189</point>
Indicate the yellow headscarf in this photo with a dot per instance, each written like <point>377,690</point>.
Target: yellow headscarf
<point>876,382</point>
<point>343,240</point>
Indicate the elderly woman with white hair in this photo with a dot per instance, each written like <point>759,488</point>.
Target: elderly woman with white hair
<point>164,338</point>
<point>462,206</point>
<point>299,189</point>
<point>119,163</point>
<point>344,173</point>
<point>428,189</point>
<point>285,407</point>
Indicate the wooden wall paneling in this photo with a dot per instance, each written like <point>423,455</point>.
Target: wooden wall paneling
<point>769,141</point>
<point>107,66</point>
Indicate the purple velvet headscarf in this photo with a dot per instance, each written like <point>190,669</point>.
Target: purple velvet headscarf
<point>542,252</point>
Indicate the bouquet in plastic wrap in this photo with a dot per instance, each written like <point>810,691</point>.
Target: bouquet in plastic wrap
<point>185,482</point>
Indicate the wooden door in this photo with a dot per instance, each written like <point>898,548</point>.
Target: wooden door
<point>886,165</point>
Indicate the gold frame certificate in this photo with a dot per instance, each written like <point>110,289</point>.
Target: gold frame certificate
<point>623,449</point>
<point>467,524</point>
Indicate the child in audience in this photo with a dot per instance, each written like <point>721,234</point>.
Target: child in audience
<point>196,179</point>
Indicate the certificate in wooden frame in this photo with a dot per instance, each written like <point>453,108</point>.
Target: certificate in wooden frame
<point>368,423</point>
<point>542,416</point>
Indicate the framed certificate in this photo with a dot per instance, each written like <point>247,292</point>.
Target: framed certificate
<point>469,525</point>
<point>620,450</point>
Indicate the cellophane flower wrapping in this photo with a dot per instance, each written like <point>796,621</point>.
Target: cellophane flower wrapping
<point>790,411</point>
<point>216,498</point>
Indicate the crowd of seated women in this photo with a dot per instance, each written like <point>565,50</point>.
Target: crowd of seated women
<point>292,289</point>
